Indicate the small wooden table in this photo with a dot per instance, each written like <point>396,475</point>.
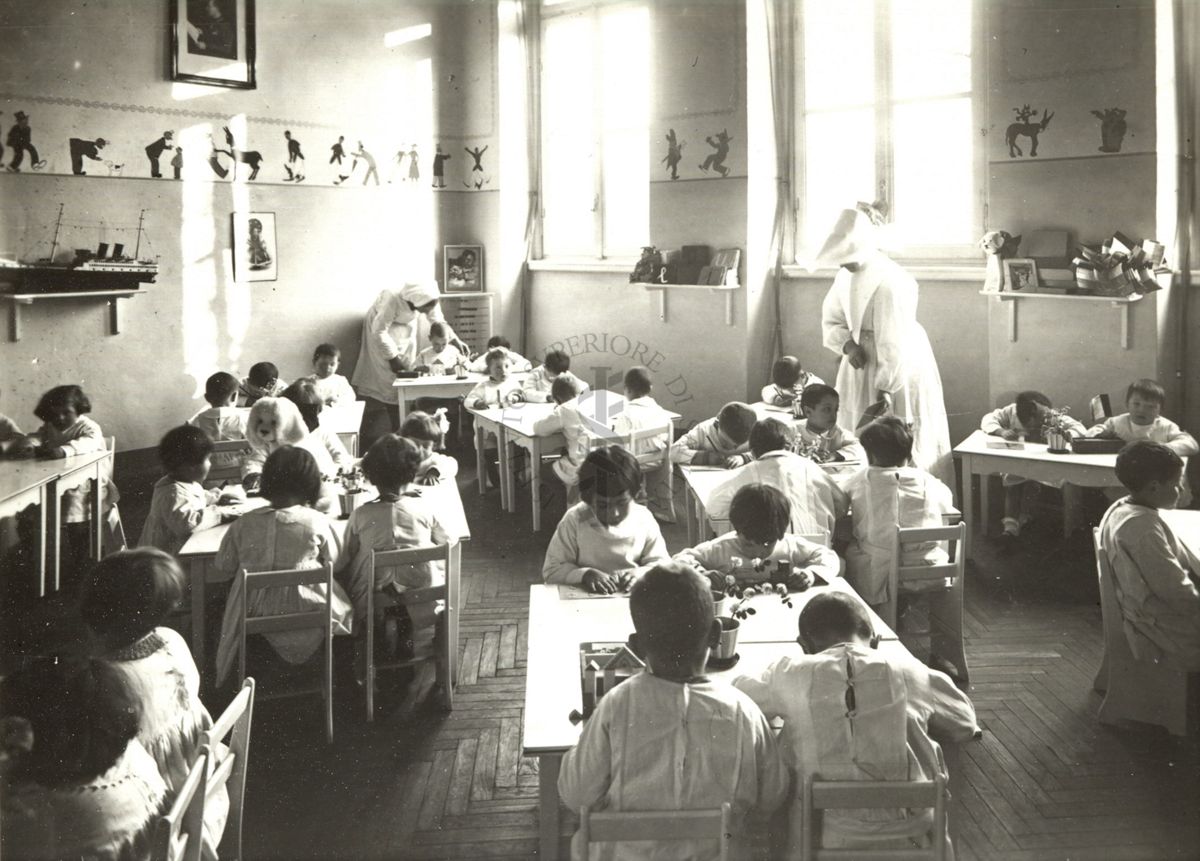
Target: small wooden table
<point>345,420</point>
<point>552,685</point>
<point>442,386</point>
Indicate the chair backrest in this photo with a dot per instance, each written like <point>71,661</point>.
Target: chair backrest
<point>662,825</point>
<point>408,556</point>
<point>321,619</point>
<point>854,794</point>
<point>1101,408</point>
<point>1116,645</point>
<point>179,833</point>
<point>230,759</point>
<point>952,570</point>
<point>648,460</point>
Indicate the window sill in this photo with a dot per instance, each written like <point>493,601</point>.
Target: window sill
<point>922,271</point>
<point>574,265</point>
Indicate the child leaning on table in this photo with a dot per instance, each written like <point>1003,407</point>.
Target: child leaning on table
<point>788,380</point>
<point>1144,400</point>
<point>1024,418</point>
<point>1155,573</point>
<point>262,382</point>
<point>603,542</point>
<point>670,738</point>
<point>333,388</point>
<point>819,427</point>
<point>565,419</point>
<point>179,504</point>
<point>898,704</point>
<point>222,420</point>
<point>720,441</point>
<point>427,432</point>
<point>537,386</point>
<point>760,516</point>
<point>440,350</point>
<point>498,342</point>
<point>888,494</point>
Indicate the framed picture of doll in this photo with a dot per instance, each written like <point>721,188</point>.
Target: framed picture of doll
<point>212,42</point>
<point>1021,273</point>
<point>255,255</point>
<point>463,268</point>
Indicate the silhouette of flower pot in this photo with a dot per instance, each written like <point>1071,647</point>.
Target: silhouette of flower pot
<point>1057,441</point>
<point>727,648</point>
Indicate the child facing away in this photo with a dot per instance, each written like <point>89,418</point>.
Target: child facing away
<point>900,707</point>
<point>819,428</point>
<point>440,351</point>
<point>222,420</point>
<point>605,540</point>
<point>1022,419</point>
<point>1155,573</point>
<point>1144,400</point>
<point>519,363</point>
<point>126,601</point>
<point>816,501</point>
<point>670,738</point>
<point>79,784</point>
<point>788,381</point>
<point>537,385</point>
<point>641,412</point>
<point>720,441</point>
<point>333,388</point>
<point>761,516</point>
<point>888,494</point>
<point>290,533</point>
<point>303,393</point>
<point>566,419</point>
<point>179,504</point>
<point>427,432</point>
<point>262,382</point>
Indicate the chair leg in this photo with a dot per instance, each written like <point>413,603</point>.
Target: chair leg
<point>329,687</point>
<point>1100,684</point>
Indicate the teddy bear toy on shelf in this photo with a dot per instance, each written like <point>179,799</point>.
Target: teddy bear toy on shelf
<point>997,245</point>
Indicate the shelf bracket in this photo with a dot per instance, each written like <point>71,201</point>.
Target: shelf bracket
<point>728,309</point>
<point>662,305</point>
<point>1012,320</point>
<point>1123,310</point>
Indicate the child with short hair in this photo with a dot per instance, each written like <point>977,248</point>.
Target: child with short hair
<point>1144,401</point>
<point>537,385</point>
<point>333,388</point>
<point>440,350</point>
<point>498,342</point>
<point>1155,573</point>
<point>816,500</point>
<point>819,428</point>
<point>126,601</point>
<point>179,504</point>
<point>670,738</point>
<point>428,432</point>
<point>641,411</point>
<point>898,703</point>
<point>290,533</point>
<point>720,441</point>
<point>888,494</point>
<point>761,520</point>
<point>501,388</point>
<point>222,420</point>
<point>788,381</point>
<point>605,540</point>
<point>566,419</point>
<point>321,440</point>
<point>1024,418</point>
<point>262,382</point>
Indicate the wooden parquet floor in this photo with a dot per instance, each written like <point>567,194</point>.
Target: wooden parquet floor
<point>1046,782</point>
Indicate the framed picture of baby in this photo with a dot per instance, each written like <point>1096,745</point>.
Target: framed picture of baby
<point>255,255</point>
<point>463,268</point>
<point>1021,273</point>
<point>212,42</point>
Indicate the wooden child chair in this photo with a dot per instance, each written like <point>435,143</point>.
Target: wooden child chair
<point>228,743</point>
<point>945,600</point>
<point>820,795</point>
<point>659,826</point>
<point>179,833</point>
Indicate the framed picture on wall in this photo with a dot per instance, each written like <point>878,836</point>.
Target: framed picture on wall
<point>1021,273</point>
<point>212,42</point>
<point>463,268</point>
<point>255,255</point>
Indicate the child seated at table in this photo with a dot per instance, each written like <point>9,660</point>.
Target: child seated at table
<point>788,381</point>
<point>303,393</point>
<point>179,504</point>
<point>519,363</point>
<point>566,420</point>
<point>428,432</point>
<point>1022,419</point>
<point>290,533</point>
<point>888,494</point>
<point>642,412</point>
<point>127,599</point>
<point>605,540</point>
<point>815,499</point>
<point>720,441</point>
<point>262,382</point>
<point>671,738</point>
<point>501,388</point>
<point>222,420</point>
<point>537,385</point>
<point>1156,573</point>
<point>77,782</point>
<point>333,388</point>
<point>761,518</point>
<point>819,430</point>
<point>439,351</point>
<point>1144,400</point>
<point>898,704</point>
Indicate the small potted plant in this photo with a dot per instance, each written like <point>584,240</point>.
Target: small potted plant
<point>1055,430</point>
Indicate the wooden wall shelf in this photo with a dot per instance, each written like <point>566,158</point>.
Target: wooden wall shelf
<point>661,289</point>
<point>16,300</point>
<point>1120,302</point>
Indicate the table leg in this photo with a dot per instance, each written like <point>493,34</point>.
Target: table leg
<point>985,503</point>
<point>691,515</point>
<point>97,511</point>
<point>968,502</point>
<point>480,465</point>
<point>504,449</point>
<point>44,519</point>
<point>454,602</point>
<point>535,469</point>
<point>56,526</point>
<point>548,824</point>
<point>197,570</point>
<point>401,408</point>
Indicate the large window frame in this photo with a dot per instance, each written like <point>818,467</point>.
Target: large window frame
<point>884,103</point>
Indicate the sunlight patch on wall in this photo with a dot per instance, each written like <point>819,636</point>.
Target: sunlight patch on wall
<point>198,265</point>
<point>406,34</point>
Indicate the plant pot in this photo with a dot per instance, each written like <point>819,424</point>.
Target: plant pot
<point>727,648</point>
<point>1057,442</point>
<point>721,603</point>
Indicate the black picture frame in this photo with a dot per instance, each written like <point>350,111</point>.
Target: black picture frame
<point>212,42</point>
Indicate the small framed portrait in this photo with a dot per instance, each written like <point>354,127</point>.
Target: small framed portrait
<point>255,255</point>
<point>212,42</point>
<point>463,268</point>
<point>1021,273</point>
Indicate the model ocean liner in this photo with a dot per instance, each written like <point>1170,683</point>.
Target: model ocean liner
<point>89,271</point>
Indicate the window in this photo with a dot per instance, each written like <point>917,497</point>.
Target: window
<point>886,112</point>
<point>595,112</point>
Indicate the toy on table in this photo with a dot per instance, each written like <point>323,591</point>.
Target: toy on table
<point>603,666</point>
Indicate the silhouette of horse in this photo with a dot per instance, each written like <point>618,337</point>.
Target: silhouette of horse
<point>1023,127</point>
<point>251,157</point>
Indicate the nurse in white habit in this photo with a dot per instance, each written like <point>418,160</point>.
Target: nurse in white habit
<point>389,346</point>
<point>869,318</point>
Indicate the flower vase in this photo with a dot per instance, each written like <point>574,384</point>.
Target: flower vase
<point>721,602</point>
<point>727,648</point>
<point>1057,441</point>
